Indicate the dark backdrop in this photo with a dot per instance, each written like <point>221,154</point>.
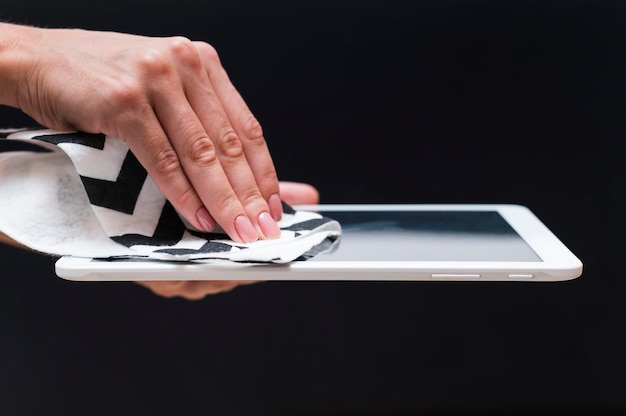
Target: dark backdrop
<point>371,101</point>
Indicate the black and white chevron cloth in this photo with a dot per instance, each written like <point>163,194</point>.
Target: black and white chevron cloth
<point>87,195</point>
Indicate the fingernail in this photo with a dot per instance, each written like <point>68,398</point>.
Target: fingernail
<point>245,229</point>
<point>268,226</point>
<point>276,207</point>
<point>205,219</point>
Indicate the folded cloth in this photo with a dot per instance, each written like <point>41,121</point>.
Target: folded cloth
<point>86,195</point>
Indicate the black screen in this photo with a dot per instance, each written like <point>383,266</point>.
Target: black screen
<point>427,236</point>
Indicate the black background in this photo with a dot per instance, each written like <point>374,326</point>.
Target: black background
<point>371,101</point>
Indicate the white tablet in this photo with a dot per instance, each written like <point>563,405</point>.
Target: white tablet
<point>386,242</point>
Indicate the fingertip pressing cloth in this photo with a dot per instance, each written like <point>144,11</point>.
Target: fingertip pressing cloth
<point>86,195</point>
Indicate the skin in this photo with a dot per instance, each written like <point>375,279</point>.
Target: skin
<point>172,102</point>
<point>293,193</point>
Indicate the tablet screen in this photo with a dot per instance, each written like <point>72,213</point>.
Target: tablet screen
<point>427,236</point>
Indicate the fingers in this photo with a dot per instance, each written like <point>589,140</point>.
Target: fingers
<point>194,153</point>
<point>219,171</point>
<point>172,102</point>
<point>212,153</point>
<point>246,127</point>
<point>191,290</point>
<point>152,147</point>
<point>210,190</point>
<point>296,193</point>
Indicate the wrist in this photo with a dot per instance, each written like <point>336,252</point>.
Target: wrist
<point>17,57</point>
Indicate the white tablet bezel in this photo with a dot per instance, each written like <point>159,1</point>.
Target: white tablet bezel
<point>558,264</point>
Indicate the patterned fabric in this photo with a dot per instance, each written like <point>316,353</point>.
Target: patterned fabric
<point>127,206</point>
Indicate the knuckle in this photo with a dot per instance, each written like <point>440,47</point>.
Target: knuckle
<point>153,62</point>
<point>184,51</point>
<point>251,197</point>
<point>127,94</point>
<point>224,203</point>
<point>166,162</point>
<point>267,178</point>
<point>229,144</point>
<point>185,198</point>
<point>202,152</point>
<point>208,52</point>
<point>252,127</point>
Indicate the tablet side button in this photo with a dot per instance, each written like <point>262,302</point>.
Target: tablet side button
<point>455,276</point>
<point>521,276</point>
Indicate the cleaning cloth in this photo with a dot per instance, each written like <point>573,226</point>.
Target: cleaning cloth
<point>86,195</point>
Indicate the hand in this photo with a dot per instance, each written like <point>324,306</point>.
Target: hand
<point>293,193</point>
<point>170,99</point>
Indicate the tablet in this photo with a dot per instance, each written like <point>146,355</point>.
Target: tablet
<point>414,242</point>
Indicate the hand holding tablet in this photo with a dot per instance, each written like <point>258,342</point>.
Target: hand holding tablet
<point>386,242</point>
<point>120,219</point>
